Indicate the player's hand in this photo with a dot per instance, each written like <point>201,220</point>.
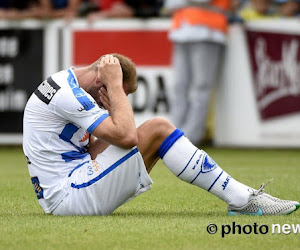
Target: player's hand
<point>110,72</point>
<point>104,98</point>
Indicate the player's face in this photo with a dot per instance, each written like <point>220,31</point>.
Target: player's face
<point>94,91</point>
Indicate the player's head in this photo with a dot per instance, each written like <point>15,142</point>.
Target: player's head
<point>128,70</point>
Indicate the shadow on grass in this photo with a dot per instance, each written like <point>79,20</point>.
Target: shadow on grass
<point>123,214</point>
<point>23,214</point>
<point>167,214</point>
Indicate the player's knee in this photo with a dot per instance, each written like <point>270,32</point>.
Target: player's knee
<point>155,130</point>
<point>162,126</point>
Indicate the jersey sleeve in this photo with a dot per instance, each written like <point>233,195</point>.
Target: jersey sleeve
<point>80,108</point>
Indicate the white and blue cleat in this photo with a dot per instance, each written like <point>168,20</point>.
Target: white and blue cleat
<point>261,203</point>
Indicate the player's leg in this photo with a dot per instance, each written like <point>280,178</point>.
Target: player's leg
<point>151,135</point>
<point>190,164</point>
<point>158,138</point>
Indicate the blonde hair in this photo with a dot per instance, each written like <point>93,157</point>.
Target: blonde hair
<point>128,70</point>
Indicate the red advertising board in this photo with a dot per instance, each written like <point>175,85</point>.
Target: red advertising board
<point>275,61</point>
<point>143,47</point>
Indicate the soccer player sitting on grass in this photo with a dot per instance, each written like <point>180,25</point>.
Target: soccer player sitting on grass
<point>86,157</point>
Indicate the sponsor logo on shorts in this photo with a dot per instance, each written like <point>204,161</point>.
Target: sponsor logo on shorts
<point>37,188</point>
<point>90,170</point>
<point>94,168</point>
<point>28,160</point>
<point>140,181</point>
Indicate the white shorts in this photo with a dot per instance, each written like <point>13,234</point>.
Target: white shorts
<point>100,186</point>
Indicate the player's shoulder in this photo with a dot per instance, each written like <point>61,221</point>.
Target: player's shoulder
<point>72,97</point>
<point>60,78</point>
<point>62,81</point>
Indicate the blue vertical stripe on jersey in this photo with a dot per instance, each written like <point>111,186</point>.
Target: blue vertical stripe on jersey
<point>96,123</point>
<point>168,142</point>
<point>107,171</point>
<point>79,93</point>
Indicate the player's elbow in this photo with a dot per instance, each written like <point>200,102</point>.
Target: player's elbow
<point>130,140</point>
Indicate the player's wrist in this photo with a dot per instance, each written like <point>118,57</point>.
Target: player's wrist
<point>115,86</point>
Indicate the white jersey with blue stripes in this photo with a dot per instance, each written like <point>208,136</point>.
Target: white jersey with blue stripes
<point>58,119</point>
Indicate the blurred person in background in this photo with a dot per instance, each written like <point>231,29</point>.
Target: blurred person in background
<point>59,8</point>
<point>109,8</point>
<point>145,8</point>
<point>235,7</point>
<point>288,8</point>
<point>14,9</point>
<point>258,9</point>
<point>198,34</point>
<point>126,8</point>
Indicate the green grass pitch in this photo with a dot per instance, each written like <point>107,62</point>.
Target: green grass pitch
<point>173,215</point>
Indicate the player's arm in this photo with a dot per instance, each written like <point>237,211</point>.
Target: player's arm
<point>119,128</point>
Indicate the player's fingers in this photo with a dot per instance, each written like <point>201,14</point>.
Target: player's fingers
<point>103,92</point>
<point>105,103</point>
<point>116,60</point>
<point>109,58</point>
<point>104,60</point>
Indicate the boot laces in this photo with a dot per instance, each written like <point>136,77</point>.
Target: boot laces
<point>261,189</point>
